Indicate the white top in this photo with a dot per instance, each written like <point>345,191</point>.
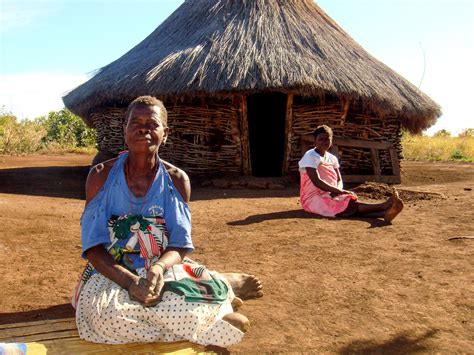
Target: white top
<point>312,159</point>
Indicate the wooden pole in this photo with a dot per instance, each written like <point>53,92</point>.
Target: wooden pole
<point>244,136</point>
<point>395,163</point>
<point>346,111</point>
<point>376,163</point>
<point>288,134</point>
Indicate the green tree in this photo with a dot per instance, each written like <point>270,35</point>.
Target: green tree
<point>19,137</point>
<point>7,122</point>
<point>467,132</point>
<point>6,118</point>
<point>67,129</point>
<point>442,133</point>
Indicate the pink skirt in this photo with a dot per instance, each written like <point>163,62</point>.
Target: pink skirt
<point>320,202</point>
<point>325,205</point>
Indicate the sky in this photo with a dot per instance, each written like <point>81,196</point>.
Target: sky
<point>48,47</point>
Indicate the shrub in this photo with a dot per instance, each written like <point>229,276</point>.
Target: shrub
<point>19,137</point>
<point>467,132</point>
<point>66,129</point>
<point>59,131</point>
<point>442,133</point>
<point>458,155</point>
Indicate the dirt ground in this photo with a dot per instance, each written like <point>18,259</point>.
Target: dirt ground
<point>331,285</point>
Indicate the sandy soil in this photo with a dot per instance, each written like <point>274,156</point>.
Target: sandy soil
<point>332,285</point>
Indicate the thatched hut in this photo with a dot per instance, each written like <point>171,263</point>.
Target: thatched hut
<point>246,80</point>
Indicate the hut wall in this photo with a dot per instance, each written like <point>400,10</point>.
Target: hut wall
<point>204,137</point>
<point>206,134</point>
<point>109,123</point>
<point>354,123</point>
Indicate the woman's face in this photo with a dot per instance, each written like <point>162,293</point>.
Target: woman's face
<point>323,141</point>
<point>145,131</point>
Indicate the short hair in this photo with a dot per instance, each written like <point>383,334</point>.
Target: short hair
<point>148,101</point>
<point>322,129</point>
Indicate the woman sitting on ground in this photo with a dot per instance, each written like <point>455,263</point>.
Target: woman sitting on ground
<point>136,232</point>
<point>322,192</point>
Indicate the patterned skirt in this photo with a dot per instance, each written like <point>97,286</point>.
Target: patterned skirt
<point>106,314</point>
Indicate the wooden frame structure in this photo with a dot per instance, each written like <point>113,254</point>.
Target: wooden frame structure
<point>210,136</point>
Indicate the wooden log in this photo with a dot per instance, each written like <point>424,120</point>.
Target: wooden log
<point>347,104</point>
<point>288,133</point>
<point>364,178</point>
<point>395,162</point>
<point>244,136</point>
<point>362,143</point>
<point>376,163</point>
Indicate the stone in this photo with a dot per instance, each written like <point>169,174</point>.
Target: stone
<point>220,183</point>
<point>206,183</point>
<point>276,186</point>
<point>257,184</point>
<point>236,185</point>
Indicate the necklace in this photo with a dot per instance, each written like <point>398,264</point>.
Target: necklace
<point>148,187</point>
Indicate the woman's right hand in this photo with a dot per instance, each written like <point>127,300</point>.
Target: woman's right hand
<point>142,290</point>
<point>349,192</point>
<point>342,192</point>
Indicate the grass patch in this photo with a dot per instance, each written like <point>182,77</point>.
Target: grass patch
<point>57,149</point>
<point>443,148</point>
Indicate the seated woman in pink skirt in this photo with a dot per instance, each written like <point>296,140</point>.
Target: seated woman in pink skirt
<point>322,190</point>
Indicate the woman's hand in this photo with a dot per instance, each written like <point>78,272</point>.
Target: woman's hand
<point>155,277</point>
<point>142,290</point>
<point>350,193</point>
<point>342,192</point>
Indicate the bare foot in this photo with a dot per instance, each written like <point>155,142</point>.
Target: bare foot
<point>236,303</point>
<point>395,209</point>
<point>390,200</point>
<point>238,320</point>
<point>244,286</point>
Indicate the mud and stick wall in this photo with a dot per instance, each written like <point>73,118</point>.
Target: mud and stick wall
<point>209,137</point>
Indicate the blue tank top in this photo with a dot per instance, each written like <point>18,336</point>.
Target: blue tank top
<point>116,200</point>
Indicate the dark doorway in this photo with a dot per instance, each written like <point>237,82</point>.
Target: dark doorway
<point>266,119</point>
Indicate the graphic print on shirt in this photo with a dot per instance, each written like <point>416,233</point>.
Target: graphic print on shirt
<point>137,234</point>
<point>155,211</point>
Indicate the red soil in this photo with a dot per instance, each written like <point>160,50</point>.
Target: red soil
<point>331,285</point>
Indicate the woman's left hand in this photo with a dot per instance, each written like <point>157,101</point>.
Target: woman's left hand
<point>156,278</point>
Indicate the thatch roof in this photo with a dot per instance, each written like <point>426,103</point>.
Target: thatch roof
<point>213,47</point>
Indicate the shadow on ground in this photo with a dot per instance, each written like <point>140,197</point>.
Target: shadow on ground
<point>400,344</point>
<point>300,214</point>
<point>53,181</point>
<point>210,193</point>
<point>69,182</point>
<point>54,312</point>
